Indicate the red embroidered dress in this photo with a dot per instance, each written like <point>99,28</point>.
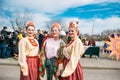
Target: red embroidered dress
<point>28,59</point>
<point>71,65</point>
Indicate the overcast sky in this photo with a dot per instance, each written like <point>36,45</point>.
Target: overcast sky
<point>104,14</point>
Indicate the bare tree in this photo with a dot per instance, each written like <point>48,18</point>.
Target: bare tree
<point>60,21</point>
<point>2,20</point>
<point>18,20</point>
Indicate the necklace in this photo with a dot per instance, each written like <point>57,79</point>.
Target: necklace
<point>33,42</point>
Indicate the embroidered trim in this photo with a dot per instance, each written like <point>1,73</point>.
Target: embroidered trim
<point>33,42</point>
<point>70,43</point>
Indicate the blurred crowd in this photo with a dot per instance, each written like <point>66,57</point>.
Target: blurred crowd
<point>9,41</point>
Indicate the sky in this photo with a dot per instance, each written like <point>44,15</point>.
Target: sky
<point>94,16</point>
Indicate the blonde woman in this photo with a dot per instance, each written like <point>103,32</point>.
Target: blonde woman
<point>51,46</point>
<point>72,52</point>
<point>28,54</point>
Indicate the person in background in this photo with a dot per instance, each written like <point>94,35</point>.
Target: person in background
<point>19,36</point>
<point>37,34</point>
<point>45,36</point>
<point>22,31</point>
<point>91,42</point>
<point>14,44</point>
<point>28,54</point>
<point>9,45</point>
<point>5,32</point>
<point>51,46</point>
<point>40,38</point>
<point>4,45</point>
<point>84,44</point>
<point>73,51</point>
<point>63,36</point>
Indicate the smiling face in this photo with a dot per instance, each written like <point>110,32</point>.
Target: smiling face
<point>73,32</point>
<point>30,31</point>
<point>55,32</point>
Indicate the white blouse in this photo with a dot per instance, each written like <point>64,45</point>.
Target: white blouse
<point>73,52</point>
<point>26,49</point>
<point>51,47</point>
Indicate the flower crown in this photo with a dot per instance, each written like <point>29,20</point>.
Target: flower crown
<point>56,25</point>
<point>30,23</point>
<point>73,25</point>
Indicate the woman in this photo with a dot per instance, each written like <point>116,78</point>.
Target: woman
<point>91,42</point>
<point>51,46</point>
<point>28,54</point>
<point>72,52</point>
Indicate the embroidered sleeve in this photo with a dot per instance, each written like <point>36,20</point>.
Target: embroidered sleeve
<point>22,57</point>
<point>77,50</point>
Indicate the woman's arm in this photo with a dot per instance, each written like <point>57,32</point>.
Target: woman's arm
<point>22,57</point>
<point>77,51</point>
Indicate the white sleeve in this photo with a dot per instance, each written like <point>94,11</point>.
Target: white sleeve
<point>22,57</point>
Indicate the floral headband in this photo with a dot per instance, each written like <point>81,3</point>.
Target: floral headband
<point>56,25</point>
<point>30,23</point>
<point>73,25</point>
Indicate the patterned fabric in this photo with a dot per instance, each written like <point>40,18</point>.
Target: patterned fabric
<point>60,53</point>
<point>76,75</point>
<point>32,69</point>
<point>71,66</point>
<point>52,62</point>
<point>42,68</point>
<point>26,49</point>
<point>33,42</point>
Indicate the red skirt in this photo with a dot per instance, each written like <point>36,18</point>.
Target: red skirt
<point>33,72</point>
<point>76,75</point>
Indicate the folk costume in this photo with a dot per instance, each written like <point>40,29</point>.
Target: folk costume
<point>72,69</point>
<point>28,59</point>
<point>71,64</point>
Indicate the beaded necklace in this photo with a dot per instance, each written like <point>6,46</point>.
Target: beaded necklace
<point>33,42</point>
